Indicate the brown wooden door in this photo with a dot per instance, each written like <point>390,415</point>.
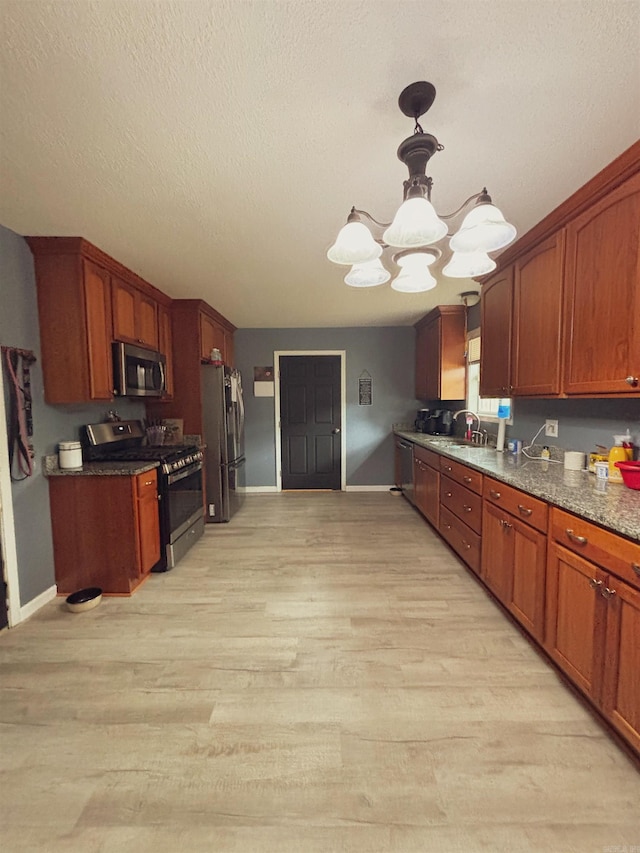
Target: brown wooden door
<point>124,311</point>
<point>211,336</point>
<point>576,612</point>
<point>621,695</point>
<point>496,315</point>
<point>97,303</point>
<point>310,421</point>
<point>528,577</point>
<point>497,551</point>
<point>432,351</point>
<point>147,320</point>
<point>537,319</point>
<point>419,485</point>
<point>602,295</point>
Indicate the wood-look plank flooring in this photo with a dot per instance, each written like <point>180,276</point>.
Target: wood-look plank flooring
<point>321,674</point>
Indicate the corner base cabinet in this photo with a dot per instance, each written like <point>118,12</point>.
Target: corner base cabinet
<point>106,531</point>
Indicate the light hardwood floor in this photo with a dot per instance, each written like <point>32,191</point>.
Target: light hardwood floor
<point>322,674</point>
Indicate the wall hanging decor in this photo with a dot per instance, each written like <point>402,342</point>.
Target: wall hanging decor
<point>17,367</point>
<point>365,389</point>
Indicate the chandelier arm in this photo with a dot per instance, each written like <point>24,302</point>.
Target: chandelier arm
<point>369,216</point>
<point>474,197</point>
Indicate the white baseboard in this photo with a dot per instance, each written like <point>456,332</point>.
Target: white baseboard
<point>368,488</point>
<point>36,603</point>
<point>259,490</point>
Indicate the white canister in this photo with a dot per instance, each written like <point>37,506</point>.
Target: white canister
<point>574,460</point>
<point>70,455</point>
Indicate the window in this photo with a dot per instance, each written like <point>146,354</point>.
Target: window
<point>485,407</point>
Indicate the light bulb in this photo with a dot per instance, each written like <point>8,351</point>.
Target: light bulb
<point>354,245</point>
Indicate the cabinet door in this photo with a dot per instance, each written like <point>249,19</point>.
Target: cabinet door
<point>147,320</point>
<point>148,521</point>
<point>497,552</point>
<point>621,695</point>
<point>97,304</point>
<point>432,495</point>
<point>602,296</point>
<point>495,322</point>
<point>575,624</point>
<point>419,484</point>
<point>211,335</point>
<point>165,345</point>
<point>527,600</point>
<point>397,463</point>
<point>432,364</point>
<point>537,316</point>
<point>124,311</point>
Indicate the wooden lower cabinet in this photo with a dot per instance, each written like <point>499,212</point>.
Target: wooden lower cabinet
<point>593,617</point>
<point>426,477</point>
<point>514,553</point>
<point>105,529</point>
<point>460,521</point>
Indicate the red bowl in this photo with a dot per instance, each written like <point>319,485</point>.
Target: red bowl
<point>630,474</point>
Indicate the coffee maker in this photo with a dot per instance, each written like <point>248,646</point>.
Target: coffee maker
<point>422,419</point>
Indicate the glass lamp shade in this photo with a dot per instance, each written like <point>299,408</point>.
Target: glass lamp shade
<point>367,275</point>
<point>415,276</point>
<point>484,229</point>
<point>354,245</point>
<point>415,224</point>
<point>468,265</point>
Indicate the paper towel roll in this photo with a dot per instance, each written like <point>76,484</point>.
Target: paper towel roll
<point>574,460</point>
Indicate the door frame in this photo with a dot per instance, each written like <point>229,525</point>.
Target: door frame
<point>343,409</point>
<point>7,522</point>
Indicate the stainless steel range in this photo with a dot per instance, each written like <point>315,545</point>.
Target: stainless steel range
<point>179,482</point>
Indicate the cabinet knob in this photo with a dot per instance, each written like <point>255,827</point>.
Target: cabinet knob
<point>466,507</point>
<point>447,468</point>
<point>523,510</point>
<point>579,540</point>
<point>594,584</point>
<point>467,479</point>
<point>448,495</point>
<point>636,568</point>
<point>495,495</point>
<point>605,592</point>
<point>631,380</point>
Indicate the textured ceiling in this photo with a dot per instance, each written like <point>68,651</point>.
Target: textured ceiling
<point>215,148</point>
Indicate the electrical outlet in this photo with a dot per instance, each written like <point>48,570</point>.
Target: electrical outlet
<point>551,429</point>
<point>212,510</point>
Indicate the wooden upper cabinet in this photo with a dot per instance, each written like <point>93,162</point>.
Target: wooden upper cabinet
<point>537,319</point>
<point>135,315</point>
<point>440,348</point>
<point>602,296</point>
<point>74,308</point>
<point>496,311</point>
<point>211,336</point>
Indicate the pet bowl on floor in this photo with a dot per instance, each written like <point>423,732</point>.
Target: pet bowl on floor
<point>84,599</point>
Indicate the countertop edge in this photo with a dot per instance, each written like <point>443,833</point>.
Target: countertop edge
<point>617,509</point>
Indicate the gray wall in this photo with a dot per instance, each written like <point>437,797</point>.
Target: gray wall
<point>387,353</point>
<point>19,328</point>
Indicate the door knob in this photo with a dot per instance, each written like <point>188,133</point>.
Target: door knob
<point>335,430</point>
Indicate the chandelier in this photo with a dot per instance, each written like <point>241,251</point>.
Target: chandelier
<point>416,227</point>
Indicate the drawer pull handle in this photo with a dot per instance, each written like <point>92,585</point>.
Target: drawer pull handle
<point>466,545</point>
<point>448,468</point>
<point>467,479</point>
<point>448,495</point>
<point>631,380</point>
<point>505,524</point>
<point>149,483</point>
<point>494,494</point>
<point>466,507</point>
<point>605,592</point>
<point>579,540</point>
<point>447,527</point>
<point>636,568</point>
<point>594,584</point>
<point>524,510</point>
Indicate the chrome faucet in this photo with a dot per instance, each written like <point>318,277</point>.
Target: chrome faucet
<point>469,434</point>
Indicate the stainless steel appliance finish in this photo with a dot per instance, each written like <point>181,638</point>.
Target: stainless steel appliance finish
<point>406,469</point>
<point>138,372</point>
<point>223,419</point>
<point>179,482</point>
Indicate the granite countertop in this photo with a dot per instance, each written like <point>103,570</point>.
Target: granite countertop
<point>617,508</point>
<point>51,468</point>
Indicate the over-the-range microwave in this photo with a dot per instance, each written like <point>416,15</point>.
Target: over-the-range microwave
<point>138,372</point>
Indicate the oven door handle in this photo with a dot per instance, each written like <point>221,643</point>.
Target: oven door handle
<point>186,472</point>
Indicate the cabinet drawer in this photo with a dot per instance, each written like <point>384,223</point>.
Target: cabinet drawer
<point>608,550</point>
<point>463,503</point>
<point>462,539</point>
<point>457,471</point>
<point>146,483</point>
<point>429,457</point>
<point>531,510</point>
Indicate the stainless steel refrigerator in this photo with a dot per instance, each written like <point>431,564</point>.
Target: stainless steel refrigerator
<point>223,420</point>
